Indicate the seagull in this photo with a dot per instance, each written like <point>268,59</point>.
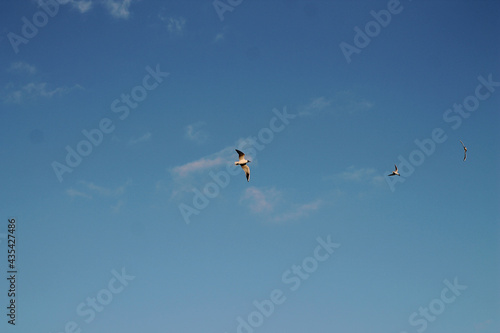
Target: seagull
<point>395,172</point>
<point>465,150</point>
<point>243,163</point>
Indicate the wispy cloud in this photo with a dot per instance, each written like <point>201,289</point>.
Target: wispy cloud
<point>484,325</point>
<point>347,101</point>
<point>17,90</point>
<point>116,208</point>
<point>118,8</point>
<point>89,190</point>
<point>299,211</point>
<point>42,89</point>
<point>145,137</point>
<point>34,90</point>
<point>105,191</point>
<point>22,67</point>
<point>199,165</point>
<point>269,203</point>
<point>194,133</point>
<point>261,201</point>
<point>202,164</point>
<point>195,174</point>
<point>343,101</point>
<point>175,26</point>
<point>74,193</point>
<point>219,37</point>
<point>316,105</point>
<point>82,6</point>
<point>359,175</point>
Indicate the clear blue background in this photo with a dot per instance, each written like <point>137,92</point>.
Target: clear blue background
<point>324,174</point>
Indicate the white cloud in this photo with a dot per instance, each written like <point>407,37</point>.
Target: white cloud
<point>74,193</point>
<point>353,174</point>
<point>116,208</point>
<point>483,325</point>
<point>320,103</point>
<point>41,89</point>
<point>35,90</point>
<point>299,211</point>
<point>176,26</point>
<point>219,37</point>
<point>316,105</point>
<point>261,201</point>
<point>105,191</point>
<point>112,194</point>
<point>82,6</point>
<point>343,101</point>
<point>18,92</point>
<point>195,174</point>
<point>359,175</point>
<point>216,159</point>
<point>203,164</point>
<point>22,67</point>
<point>119,8</point>
<point>194,133</point>
<point>13,97</point>
<point>269,203</point>
<point>347,101</point>
<point>143,138</point>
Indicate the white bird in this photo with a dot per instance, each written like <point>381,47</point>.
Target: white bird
<point>395,172</point>
<point>465,150</point>
<point>243,163</point>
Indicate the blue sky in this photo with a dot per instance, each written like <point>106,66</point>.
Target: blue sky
<point>134,234</point>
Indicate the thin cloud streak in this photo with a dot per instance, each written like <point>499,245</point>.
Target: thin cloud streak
<point>216,159</point>
<point>359,175</point>
<point>299,212</point>
<point>341,102</point>
<point>74,193</point>
<point>197,166</point>
<point>104,191</point>
<point>35,90</point>
<point>144,138</point>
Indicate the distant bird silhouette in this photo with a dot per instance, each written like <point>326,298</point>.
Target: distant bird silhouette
<point>243,163</point>
<point>395,172</point>
<point>465,150</point>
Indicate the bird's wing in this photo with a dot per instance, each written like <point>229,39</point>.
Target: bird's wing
<point>247,171</point>
<point>462,143</point>
<point>240,154</point>
<point>465,156</point>
<point>396,167</point>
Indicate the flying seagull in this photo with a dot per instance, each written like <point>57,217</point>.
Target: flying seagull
<point>465,150</point>
<point>243,163</point>
<point>395,172</point>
